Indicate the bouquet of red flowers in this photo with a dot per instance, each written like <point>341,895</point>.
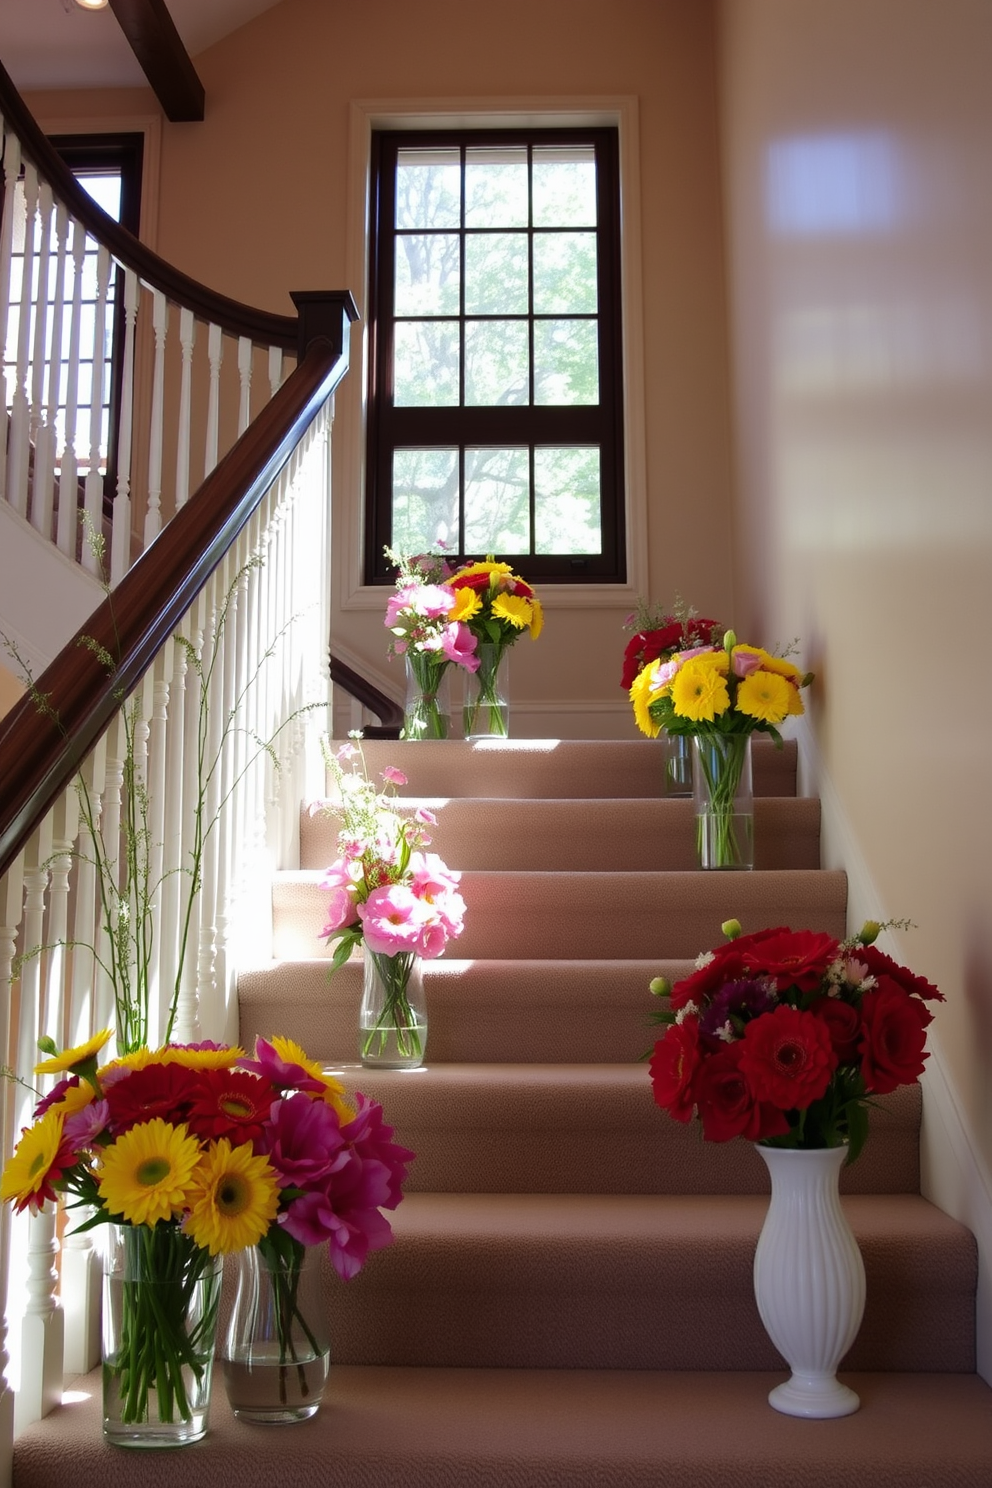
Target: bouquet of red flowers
<point>783,1036</point>
<point>660,633</point>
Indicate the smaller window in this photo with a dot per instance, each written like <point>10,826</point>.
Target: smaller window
<point>495,400</point>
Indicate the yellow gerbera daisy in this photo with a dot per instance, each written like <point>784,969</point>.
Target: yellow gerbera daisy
<point>333,1096</point>
<point>772,663</point>
<point>76,1098</point>
<point>514,608</point>
<point>146,1174</point>
<point>291,1053</point>
<point>70,1058</point>
<point>643,693</point>
<point>536,618</point>
<point>234,1199</point>
<point>764,695</point>
<point>199,1059</point>
<point>25,1176</point>
<point>490,567</point>
<point>699,691</point>
<point>467,603</point>
<point>137,1059</point>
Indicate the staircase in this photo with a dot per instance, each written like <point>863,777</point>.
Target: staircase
<point>568,1302</point>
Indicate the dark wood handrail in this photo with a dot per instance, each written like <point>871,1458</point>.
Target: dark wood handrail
<point>388,712</point>
<point>261,326</point>
<point>39,752</point>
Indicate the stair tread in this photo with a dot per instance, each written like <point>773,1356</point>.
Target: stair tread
<point>519,1428</point>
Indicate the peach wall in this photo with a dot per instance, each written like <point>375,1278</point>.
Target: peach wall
<point>253,202</point>
<point>857,137</point>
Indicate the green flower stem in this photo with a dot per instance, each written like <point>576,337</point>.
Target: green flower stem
<point>485,713</point>
<point>397,1016</point>
<point>423,716</point>
<point>722,768</point>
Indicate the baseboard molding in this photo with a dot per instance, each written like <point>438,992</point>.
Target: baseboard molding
<point>952,1173</point>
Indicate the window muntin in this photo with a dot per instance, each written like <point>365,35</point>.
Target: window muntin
<point>495,410</point>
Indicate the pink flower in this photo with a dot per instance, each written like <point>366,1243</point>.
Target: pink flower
<point>281,1072</point>
<point>394,919</point>
<point>458,644</point>
<point>303,1142</point>
<point>427,817</point>
<point>394,776</point>
<point>401,600</point>
<point>432,601</point>
<point>744,662</point>
<point>85,1126</point>
<point>372,1142</point>
<point>341,912</point>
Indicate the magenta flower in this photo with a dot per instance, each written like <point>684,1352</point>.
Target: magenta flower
<point>312,1219</point>
<point>85,1126</point>
<point>372,1142</point>
<point>282,1073</point>
<point>302,1140</point>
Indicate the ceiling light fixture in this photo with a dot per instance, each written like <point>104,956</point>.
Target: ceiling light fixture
<point>92,4</point>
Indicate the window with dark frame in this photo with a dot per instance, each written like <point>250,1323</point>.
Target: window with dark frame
<point>495,409</point>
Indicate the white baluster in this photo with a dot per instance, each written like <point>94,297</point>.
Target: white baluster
<point>68,526</point>
<point>42,1327</point>
<point>244,375</point>
<point>275,370</point>
<point>94,559</point>
<point>47,439</point>
<point>40,507</point>
<point>120,547</point>
<point>13,204</point>
<point>20,413</point>
<point>187,337</point>
<point>215,356</point>
<point>153,516</point>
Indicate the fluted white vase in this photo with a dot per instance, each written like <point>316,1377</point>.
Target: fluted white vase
<point>809,1280</point>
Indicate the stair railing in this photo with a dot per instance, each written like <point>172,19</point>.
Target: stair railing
<point>200,686</point>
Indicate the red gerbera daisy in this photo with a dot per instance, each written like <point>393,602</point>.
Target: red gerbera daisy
<point>230,1103</point>
<point>788,1058</point>
<point>163,1090</point>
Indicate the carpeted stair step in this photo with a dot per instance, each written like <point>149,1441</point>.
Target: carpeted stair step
<point>592,1128</point>
<point>525,1428</point>
<point>581,834</point>
<point>636,1281</point>
<point>521,1011</point>
<point>542,768</point>
<point>595,915</point>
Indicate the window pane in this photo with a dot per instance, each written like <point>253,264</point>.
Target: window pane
<point>425,499</point>
<point>496,187</point>
<point>497,363</point>
<point>496,274</point>
<point>566,362</point>
<point>497,501</point>
<point>426,364</point>
<point>567,501</point>
<point>105,191</point>
<point>428,188</point>
<point>564,186</point>
<point>565,273</point>
<point>427,274</point>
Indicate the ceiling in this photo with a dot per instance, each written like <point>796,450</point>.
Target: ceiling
<point>54,44</point>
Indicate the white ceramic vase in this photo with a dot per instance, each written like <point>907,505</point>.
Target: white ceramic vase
<point>809,1280</point>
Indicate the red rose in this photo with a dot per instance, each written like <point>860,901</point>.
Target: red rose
<point>894,1038</point>
<point>844,1023</point>
<point>788,1058</point>
<point>673,1064</point>
<point>795,958</point>
<point>879,964</point>
<point>727,1107</point>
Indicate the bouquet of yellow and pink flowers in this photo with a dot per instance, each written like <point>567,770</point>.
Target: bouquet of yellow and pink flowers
<point>783,1036</point>
<point>659,633</point>
<point>426,616</point>
<point>497,605</point>
<point>196,1151</point>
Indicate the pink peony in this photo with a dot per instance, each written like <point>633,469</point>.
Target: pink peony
<point>458,644</point>
<point>303,1142</point>
<point>432,601</point>
<point>394,919</point>
<point>342,911</point>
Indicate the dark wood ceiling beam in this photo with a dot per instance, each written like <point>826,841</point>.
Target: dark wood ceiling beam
<point>154,40</point>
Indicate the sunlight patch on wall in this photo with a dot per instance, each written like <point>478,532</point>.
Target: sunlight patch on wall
<point>843,184</point>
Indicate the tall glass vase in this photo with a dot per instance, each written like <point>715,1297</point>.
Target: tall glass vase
<point>677,764</point>
<point>392,1021</point>
<point>486,713</point>
<point>161,1294</point>
<point>427,710</point>
<point>723,799</point>
<point>275,1352</point>
<point>809,1280</point>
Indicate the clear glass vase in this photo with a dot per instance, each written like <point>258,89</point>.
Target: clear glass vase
<point>723,800</point>
<point>161,1294</point>
<point>677,764</point>
<point>427,710</point>
<point>486,712</point>
<point>392,1021</point>
<point>276,1350</point>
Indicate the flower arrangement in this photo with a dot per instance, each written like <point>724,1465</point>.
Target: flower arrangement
<point>388,895</point>
<point>197,1151</point>
<point>783,1036</point>
<point>659,633</point>
<point>426,616</point>
<point>498,606</point>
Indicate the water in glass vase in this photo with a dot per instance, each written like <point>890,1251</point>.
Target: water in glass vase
<point>392,1019</point>
<point>272,1392</point>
